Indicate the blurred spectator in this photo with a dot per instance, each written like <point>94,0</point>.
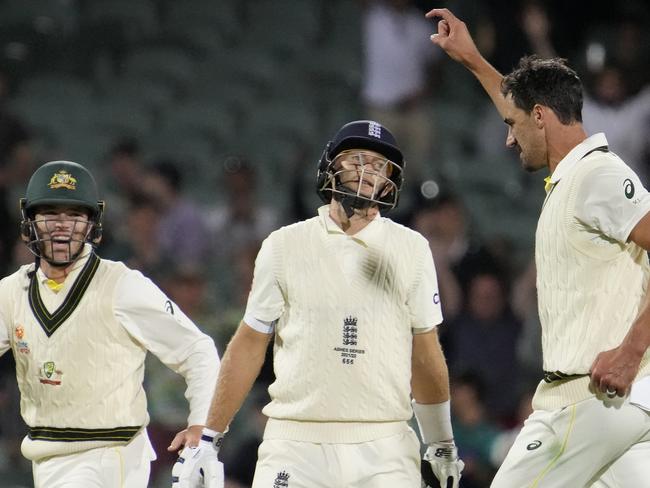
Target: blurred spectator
<point>124,180</point>
<point>443,221</point>
<point>15,165</point>
<point>426,220</point>
<point>399,63</point>
<point>529,343</point>
<point>141,247</point>
<point>237,224</point>
<point>126,168</point>
<point>182,234</point>
<point>501,445</point>
<point>483,339</point>
<point>611,107</point>
<point>617,98</point>
<point>474,433</point>
<point>239,221</point>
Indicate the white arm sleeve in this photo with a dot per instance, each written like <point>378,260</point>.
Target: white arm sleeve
<point>612,200</point>
<point>5,337</point>
<point>265,301</point>
<point>163,329</point>
<point>5,344</point>
<point>423,300</point>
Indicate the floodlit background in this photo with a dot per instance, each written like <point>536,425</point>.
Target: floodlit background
<point>203,122</point>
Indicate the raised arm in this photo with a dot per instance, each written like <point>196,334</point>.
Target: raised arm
<point>454,38</point>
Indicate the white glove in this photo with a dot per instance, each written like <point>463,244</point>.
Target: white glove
<point>444,461</point>
<point>198,467</point>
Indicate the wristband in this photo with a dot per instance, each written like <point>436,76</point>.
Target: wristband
<point>434,421</point>
<point>213,437</point>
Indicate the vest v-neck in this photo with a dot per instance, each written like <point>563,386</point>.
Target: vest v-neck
<point>50,322</point>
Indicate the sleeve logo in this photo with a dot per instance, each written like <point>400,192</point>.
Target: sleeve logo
<point>628,187</point>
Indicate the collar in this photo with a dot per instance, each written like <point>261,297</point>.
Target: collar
<point>576,154</point>
<point>363,236</point>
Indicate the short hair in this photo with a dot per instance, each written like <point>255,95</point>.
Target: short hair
<point>549,82</point>
<point>168,170</point>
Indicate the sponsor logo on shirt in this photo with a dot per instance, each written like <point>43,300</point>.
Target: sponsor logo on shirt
<point>628,187</point>
<point>533,445</point>
<point>169,307</point>
<point>21,346</point>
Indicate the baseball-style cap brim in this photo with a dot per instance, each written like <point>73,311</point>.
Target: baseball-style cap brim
<point>58,202</point>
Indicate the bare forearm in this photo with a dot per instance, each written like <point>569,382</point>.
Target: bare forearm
<point>490,80</point>
<point>240,367</point>
<point>429,375</point>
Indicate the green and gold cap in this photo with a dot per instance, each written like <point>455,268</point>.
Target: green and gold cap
<point>62,183</point>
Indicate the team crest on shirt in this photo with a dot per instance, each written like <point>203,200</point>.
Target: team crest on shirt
<point>49,375</point>
<point>281,480</point>
<point>63,179</point>
<point>350,338</point>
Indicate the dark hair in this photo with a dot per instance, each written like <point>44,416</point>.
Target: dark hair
<point>169,171</point>
<point>128,146</point>
<point>549,82</point>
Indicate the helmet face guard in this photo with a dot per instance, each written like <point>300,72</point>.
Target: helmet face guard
<point>49,238</point>
<point>58,185</point>
<point>363,179</point>
<point>361,167</point>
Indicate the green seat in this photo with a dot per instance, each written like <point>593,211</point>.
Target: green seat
<point>167,64</point>
<point>122,20</point>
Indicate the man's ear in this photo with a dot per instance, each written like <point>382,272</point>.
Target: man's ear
<point>539,115</point>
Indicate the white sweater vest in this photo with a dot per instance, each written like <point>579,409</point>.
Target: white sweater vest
<point>589,288</point>
<point>79,372</point>
<point>343,349</point>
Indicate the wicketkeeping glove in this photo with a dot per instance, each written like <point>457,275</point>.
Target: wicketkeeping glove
<point>445,463</point>
<point>199,467</point>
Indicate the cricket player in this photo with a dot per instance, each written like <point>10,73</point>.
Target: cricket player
<point>79,327</point>
<point>352,299</point>
<point>591,424</point>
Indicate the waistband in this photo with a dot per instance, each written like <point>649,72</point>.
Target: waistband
<point>37,449</point>
<point>332,432</point>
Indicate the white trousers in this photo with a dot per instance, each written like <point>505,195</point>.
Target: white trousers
<point>105,467</point>
<point>383,463</point>
<point>597,443</point>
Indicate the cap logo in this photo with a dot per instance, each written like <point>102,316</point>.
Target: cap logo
<point>63,179</point>
<point>374,130</point>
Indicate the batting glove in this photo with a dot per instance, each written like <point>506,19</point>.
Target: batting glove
<point>199,467</point>
<point>445,463</point>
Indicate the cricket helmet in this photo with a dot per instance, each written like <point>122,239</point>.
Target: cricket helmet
<point>361,135</point>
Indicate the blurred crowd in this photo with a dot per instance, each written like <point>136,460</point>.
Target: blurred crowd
<point>200,245</point>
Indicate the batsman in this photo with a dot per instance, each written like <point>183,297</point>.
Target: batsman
<point>352,301</point>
